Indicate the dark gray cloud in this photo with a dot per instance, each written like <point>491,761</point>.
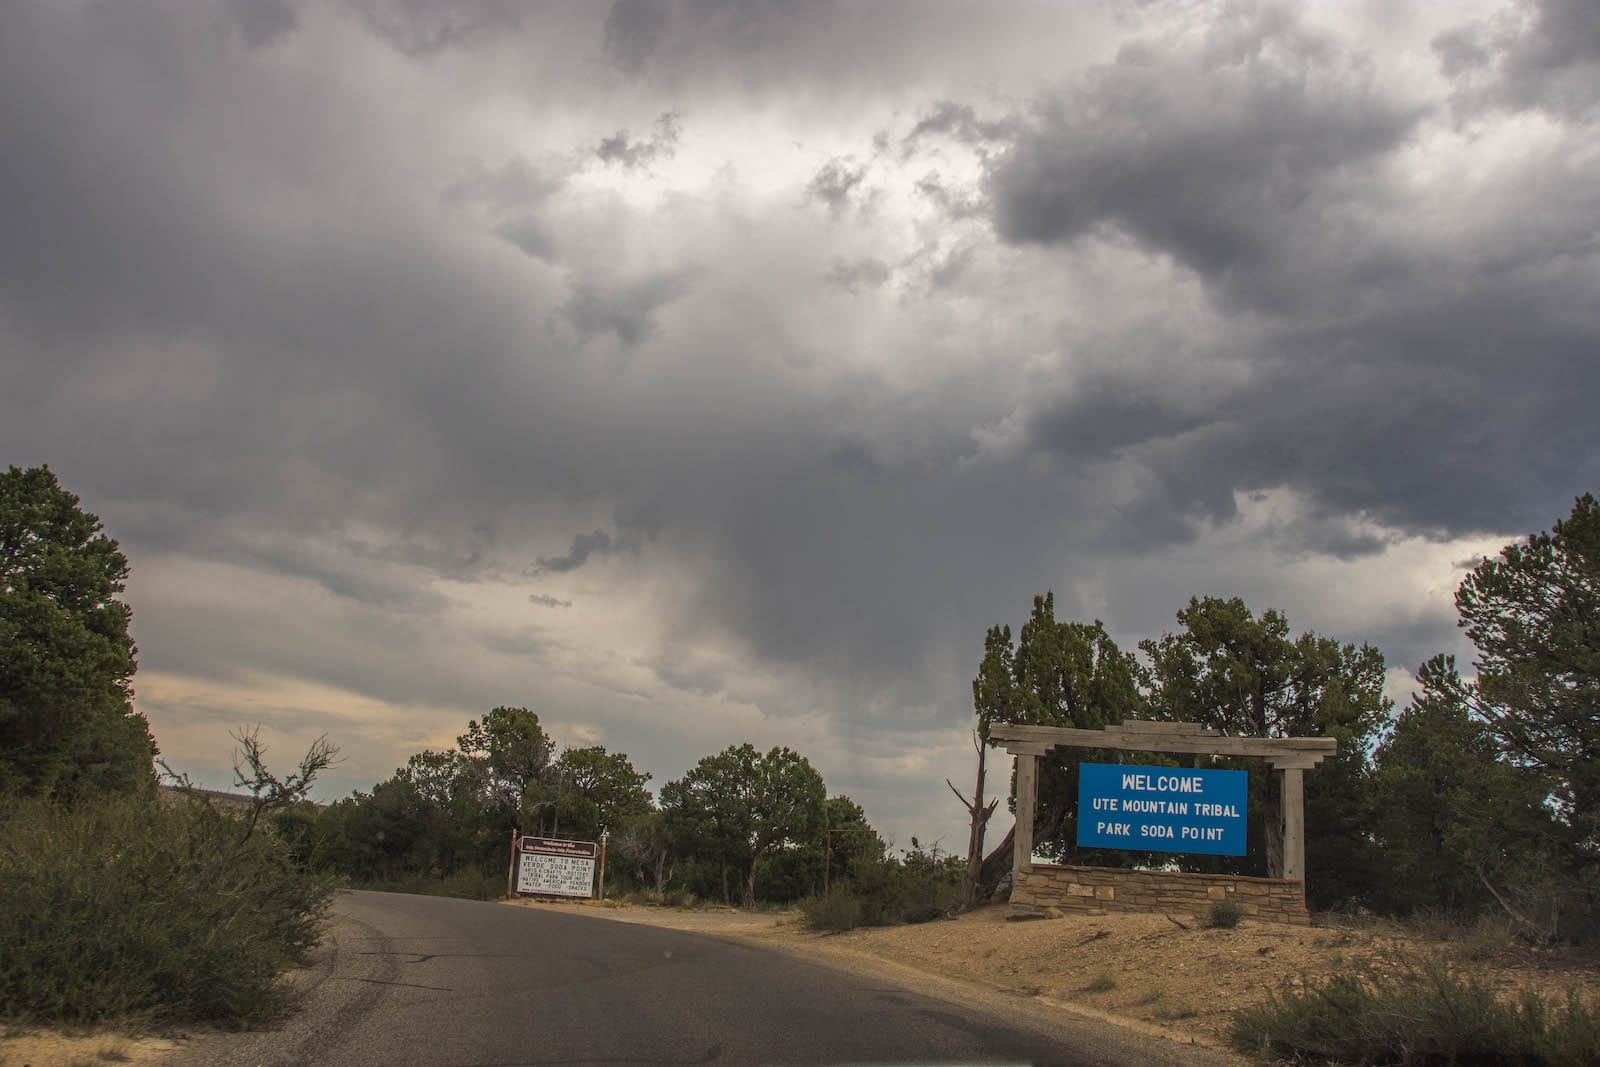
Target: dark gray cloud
<point>1099,421</point>
<point>836,182</point>
<point>624,307</point>
<point>262,22</point>
<point>1543,55</point>
<point>339,317</point>
<point>954,201</point>
<point>422,28</point>
<point>633,30</point>
<point>514,202</point>
<point>960,122</point>
<point>1219,151</point>
<point>642,34</point>
<point>854,275</point>
<point>1378,382</point>
<point>622,149</point>
<point>584,547</point>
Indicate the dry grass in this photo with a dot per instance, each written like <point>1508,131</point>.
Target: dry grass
<point>1146,968</point>
<point>86,1049</point>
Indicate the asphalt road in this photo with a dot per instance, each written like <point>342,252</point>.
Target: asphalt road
<point>406,980</point>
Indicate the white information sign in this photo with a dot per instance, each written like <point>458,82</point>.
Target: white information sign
<point>551,867</point>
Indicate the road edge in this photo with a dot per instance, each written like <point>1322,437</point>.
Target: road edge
<point>1115,1038</point>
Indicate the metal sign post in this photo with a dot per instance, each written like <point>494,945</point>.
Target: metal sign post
<point>511,869</point>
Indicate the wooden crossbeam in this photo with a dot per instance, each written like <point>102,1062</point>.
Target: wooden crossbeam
<point>1291,756</point>
<point>1183,737</point>
<point>1144,726</point>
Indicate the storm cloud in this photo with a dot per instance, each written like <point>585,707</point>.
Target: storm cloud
<point>706,372</point>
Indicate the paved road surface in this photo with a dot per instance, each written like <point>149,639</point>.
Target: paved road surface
<point>406,980</point>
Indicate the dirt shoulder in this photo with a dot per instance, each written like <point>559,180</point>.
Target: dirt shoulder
<point>1145,973</point>
<point>50,1048</point>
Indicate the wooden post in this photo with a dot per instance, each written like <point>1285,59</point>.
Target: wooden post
<point>511,869</point>
<point>1027,797</point>
<point>603,836</point>
<point>1294,825</point>
<point>1289,756</point>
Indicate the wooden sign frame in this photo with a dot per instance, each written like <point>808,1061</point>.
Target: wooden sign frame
<point>1291,757</point>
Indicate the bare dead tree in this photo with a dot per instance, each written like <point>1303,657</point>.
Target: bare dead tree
<point>979,813</point>
<point>1539,932</point>
<point>268,792</point>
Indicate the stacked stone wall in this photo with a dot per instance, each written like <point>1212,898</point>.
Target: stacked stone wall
<point>1097,890</point>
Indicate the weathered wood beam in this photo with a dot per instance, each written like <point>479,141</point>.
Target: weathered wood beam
<point>1293,751</point>
<point>1302,761</point>
<point>1294,825</point>
<point>1143,726</point>
<point>1027,798</point>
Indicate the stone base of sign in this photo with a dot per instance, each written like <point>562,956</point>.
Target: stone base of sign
<point>1098,890</point>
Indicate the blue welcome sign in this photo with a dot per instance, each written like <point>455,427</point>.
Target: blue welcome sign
<point>1161,809</point>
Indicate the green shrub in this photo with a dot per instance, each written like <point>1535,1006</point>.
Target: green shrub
<point>127,908</point>
<point>1421,1013</point>
<point>837,911</point>
<point>915,889</point>
<point>1224,915</point>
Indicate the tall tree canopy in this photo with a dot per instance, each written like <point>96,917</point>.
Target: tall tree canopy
<point>1244,675</point>
<point>67,724</point>
<point>1534,615</point>
<point>1460,829</point>
<point>1057,674</point>
<point>510,752</point>
<point>597,790</point>
<point>741,806</point>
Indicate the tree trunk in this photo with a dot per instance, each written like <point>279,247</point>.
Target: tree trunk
<point>661,865</point>
<point>996,867</point>
<point>1274,833</point>
<point>725,898</point>
<point>750,884</point>
<point>979,813</point>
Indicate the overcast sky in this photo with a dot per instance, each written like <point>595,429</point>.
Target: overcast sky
<point>703,372</point>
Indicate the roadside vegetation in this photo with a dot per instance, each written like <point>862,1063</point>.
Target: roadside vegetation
<point>1480,798</point>
<point>1416,1012</point>
<point>1477,803</point>
<point>917,887</point>
<point>136,909</point>
<point>118,904</point>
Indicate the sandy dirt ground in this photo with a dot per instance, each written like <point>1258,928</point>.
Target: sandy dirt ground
<point>45,1049</point>
<point>1145,972</point>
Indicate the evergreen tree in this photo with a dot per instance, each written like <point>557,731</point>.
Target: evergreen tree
<point>508,752</point>
<point>740,807</point>
<point>1534,615</point>
<point>1243,675</point>
<point>597,791</point>
<point>67,724</point>
<point>1450,816</point>
<point>1057,674</point>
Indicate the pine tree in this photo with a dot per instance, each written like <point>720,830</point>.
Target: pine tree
<point>67,724</point>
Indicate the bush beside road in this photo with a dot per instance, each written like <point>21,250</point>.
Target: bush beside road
<point>131,910</point>
<point>1148,973</point>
